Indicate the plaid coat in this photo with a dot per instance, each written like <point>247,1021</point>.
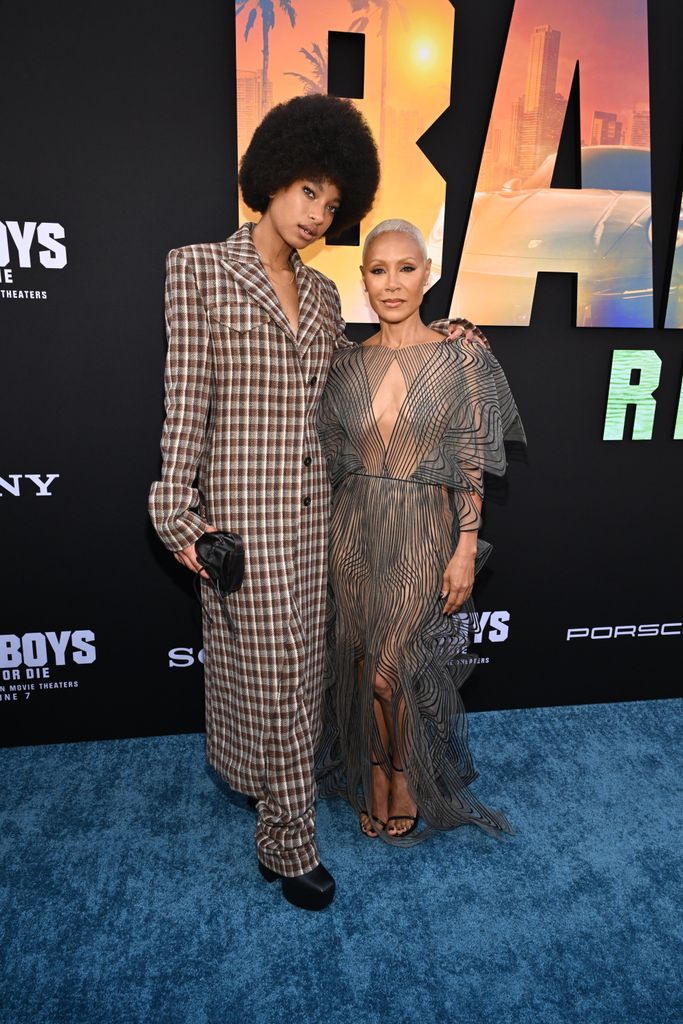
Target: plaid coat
<point>240,451</point>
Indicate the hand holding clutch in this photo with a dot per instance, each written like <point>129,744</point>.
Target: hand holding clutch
<point>221,554</point>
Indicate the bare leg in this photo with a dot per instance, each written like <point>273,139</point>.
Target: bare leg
<point>403,807</point>
<point>379,767</point>
<point>380,781</point>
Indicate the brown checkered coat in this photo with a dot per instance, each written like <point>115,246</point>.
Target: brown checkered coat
<point>241,400</point>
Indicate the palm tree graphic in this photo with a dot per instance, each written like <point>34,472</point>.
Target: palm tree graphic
<point>266,8</point>
<point>366,9</point>
<point>316,58</point>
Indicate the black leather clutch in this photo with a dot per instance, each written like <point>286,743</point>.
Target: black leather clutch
<point>222,555</point>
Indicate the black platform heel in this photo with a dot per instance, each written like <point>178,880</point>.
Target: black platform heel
<point>313,890</point>
<point>270,876</point>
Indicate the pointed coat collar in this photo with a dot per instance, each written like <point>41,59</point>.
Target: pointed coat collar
<point>244,264</point>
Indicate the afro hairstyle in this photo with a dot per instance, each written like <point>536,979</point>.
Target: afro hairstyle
<point>316,137</point>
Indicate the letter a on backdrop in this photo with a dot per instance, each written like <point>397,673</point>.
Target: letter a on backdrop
<point>282,52</point>
<point>520,225</point>
<point>674,309</point>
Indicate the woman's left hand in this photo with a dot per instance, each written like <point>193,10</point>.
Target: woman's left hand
<point>458,580</point>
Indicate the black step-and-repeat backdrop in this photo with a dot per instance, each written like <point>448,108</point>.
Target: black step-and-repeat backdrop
<point>121,130</point>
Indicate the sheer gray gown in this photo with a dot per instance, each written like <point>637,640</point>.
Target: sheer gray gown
<point>398,506</point>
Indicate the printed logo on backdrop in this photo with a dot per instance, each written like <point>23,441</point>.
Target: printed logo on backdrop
<point>43,664</point>
<point>476,630</point>
<point>480,628</point>
<point>185,657</point>
<point>623,632</point>
<point>27,485</point>
<point>27,249</point>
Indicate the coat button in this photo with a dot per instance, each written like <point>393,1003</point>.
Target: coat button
<point>307,460</point>
<point>306,501</point>
<point>313,381</point>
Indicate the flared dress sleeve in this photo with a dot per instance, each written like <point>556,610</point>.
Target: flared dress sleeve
<point>483,416</point>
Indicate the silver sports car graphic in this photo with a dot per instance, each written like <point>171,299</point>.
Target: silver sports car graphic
<point>602,232</point>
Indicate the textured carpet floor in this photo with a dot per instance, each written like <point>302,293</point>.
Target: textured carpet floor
<point>129,890</point>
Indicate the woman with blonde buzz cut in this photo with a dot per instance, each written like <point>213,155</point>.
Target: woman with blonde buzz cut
<point>409,422</point>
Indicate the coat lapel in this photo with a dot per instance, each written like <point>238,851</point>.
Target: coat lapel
<point>243,264</point>
<point>309,304</point>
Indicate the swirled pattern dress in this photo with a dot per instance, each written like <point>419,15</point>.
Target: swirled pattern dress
<point>399,504</point>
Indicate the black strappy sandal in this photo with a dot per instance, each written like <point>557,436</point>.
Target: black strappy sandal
<point>375,764</point>
<point>402,817</point>
<point>371,828</point>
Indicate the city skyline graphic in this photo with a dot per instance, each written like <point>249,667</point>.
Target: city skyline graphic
<point>526,128</point>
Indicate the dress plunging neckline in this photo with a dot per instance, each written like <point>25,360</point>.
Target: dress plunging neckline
<point>411,367</point>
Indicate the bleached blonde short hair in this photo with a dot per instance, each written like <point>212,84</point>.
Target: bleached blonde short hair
<point>396,225</point>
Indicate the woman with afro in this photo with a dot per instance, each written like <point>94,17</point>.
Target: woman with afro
<point>251,332</point>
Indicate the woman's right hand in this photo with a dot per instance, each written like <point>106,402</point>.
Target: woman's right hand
<point>188,556</point>
<point>467,332</point>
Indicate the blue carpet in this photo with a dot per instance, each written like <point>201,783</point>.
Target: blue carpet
<point>129,889</point>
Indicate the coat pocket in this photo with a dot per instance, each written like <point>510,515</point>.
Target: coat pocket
<point>241,317</point>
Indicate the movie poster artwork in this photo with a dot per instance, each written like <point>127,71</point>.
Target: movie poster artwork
<point>519,224</point>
